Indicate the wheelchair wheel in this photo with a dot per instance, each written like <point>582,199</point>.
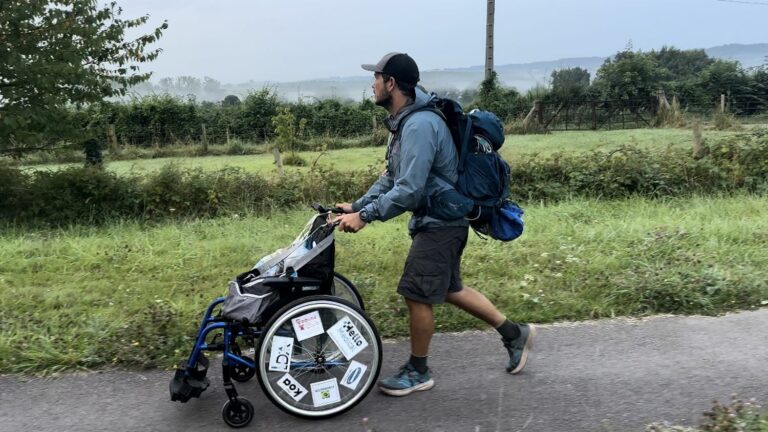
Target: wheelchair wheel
<point>344,289</point>
<point>239,372</point>
<point>237,414</point>
<point>319,356</point>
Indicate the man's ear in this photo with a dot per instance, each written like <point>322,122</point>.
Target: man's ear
<point>391,85</point>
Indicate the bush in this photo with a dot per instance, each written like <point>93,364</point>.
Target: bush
<point>14,187</point>
<point>78,195</point>
<point>380,137</point>
<point>83,195</point>
<point>294,159</point>
<point>725,121</point>
<point>520,126</point>
<point>737,163</point>
<point>738,416</point>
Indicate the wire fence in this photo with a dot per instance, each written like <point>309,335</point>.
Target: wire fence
<point>638,112</point>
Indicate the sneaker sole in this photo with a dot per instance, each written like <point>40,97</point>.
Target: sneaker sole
<point>526,349</point>
<point>404,392</point>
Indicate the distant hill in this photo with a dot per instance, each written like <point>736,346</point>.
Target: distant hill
<point>521,76</point>
<point>748,55</point>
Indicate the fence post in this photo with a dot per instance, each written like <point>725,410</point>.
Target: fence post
<point>698,148</point>
<point>228,139</point>
<point>205,140</point>
<point>567,108</point>
<point>539,107</point>
<point>114,146</point>
<point>278,160</point>
<point>722,104</point>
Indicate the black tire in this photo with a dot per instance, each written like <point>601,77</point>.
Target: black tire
<point>242,373</point>
<point>237,414</point>
<point>319,361</point>
<point>344,289</point>
<point>237,371</point>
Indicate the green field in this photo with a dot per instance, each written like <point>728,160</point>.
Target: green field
<point>358,158</point>
<point>131,294</point>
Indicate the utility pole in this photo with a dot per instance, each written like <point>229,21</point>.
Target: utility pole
<point>489,39</point>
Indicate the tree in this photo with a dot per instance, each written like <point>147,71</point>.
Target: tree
<point>570,83</point>
<point>682,64</point>
<point>230,101</point>
<point>629,75</point>
<point>55,54</point>
<point>504,102</point>
<point>728,78</point>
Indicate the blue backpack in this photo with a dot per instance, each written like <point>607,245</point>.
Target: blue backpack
<point>482,190</point>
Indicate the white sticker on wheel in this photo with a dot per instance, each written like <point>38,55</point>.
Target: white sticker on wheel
<point>307,326</point>
<point>355,372</point>
<point>292,387</point>
<point>280,356</point>
<point>347,337</point>
<point>325,392</point>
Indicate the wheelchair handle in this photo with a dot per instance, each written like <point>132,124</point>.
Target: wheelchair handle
<point>321,209</point>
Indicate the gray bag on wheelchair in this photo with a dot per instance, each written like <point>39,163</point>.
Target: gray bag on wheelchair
<point>248,298</point>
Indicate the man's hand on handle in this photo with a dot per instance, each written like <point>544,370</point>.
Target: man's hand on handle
<point>350,222</point>
<point>347,207</point>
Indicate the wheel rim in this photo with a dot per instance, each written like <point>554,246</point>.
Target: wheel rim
<point>345,291</point>
<point>321,380</point>
<point>239,413</point>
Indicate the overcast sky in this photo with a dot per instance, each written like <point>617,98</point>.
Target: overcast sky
<point>235,41</point>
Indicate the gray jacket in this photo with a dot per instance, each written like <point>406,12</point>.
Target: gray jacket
<point>422,148</point>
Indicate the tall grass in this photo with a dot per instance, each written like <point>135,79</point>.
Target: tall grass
<point>132,294</point>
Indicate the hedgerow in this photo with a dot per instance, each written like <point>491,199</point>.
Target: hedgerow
<point>93,195</point>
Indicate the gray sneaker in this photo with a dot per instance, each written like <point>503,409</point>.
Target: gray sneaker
<point>518,348</point>
<point>406,381</point>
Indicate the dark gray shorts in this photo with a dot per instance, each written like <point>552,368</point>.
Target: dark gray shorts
<point>432,269</point>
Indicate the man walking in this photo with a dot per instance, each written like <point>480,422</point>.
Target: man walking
<point>420,155</point>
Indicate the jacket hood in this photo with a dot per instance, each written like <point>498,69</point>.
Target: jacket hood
<point>422,99</point>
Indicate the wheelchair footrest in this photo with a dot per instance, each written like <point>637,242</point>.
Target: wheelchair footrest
<point>184,387</point>
<point>189,382</point>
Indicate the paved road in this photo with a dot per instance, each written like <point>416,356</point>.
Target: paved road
<point>614,375</point>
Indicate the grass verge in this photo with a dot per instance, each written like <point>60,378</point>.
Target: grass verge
<point>131,294</point>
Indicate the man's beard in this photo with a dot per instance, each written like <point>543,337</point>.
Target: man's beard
<point>385,101</point>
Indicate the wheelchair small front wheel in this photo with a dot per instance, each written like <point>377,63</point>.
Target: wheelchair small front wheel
<point>237,413</point>
<point>318,357</point>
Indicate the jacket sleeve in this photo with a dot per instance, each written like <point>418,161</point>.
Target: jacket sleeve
<point>418,146</point>
<point>382,185</point>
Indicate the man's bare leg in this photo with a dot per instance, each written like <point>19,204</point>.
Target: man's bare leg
<point>477,305</point>
<point>422,326</point>
<point>517,338</point>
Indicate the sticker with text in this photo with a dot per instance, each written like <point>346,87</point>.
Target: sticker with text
<point>292,387</point>
<point>280,357</point>
<point>347,337</point>
<point>325,392</point>
<point>355,372</point>
<point>307,326</point>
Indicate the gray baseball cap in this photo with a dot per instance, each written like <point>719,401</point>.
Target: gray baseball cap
<point>398,65</point>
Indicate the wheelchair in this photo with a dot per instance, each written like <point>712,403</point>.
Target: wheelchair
<point>316,353</point>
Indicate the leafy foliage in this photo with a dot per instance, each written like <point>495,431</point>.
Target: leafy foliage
<point>504,102</point>
<point>570,83</point>
<point>629,75</point>
<point>737,164</point>
<point>55,53</point>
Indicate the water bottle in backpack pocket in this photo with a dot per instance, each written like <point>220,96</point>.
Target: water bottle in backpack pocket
<point>503,222</point>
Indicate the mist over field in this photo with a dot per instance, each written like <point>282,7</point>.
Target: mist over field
<point>522,76</point>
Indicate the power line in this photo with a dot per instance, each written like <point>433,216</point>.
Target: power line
<point>745,2</point>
